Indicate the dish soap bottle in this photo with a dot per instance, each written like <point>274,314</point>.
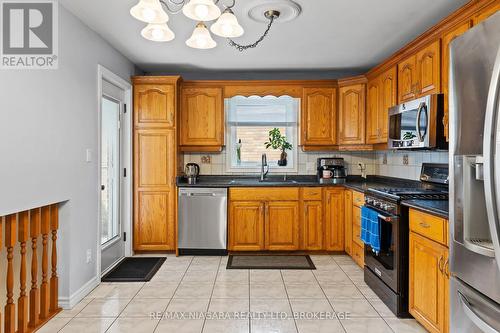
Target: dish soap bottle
<point>238,152</point>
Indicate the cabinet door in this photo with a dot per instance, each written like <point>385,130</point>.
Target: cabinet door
<point>352,114</point>
<point>319,117</point>
<point>486,12</point>
<point>429,70</point>
<point>348,222</point>
<point>445,70</point>
<point>282,225</point>
<point>154,189</point>
<point>312,225</point>
<point>334,219</point>
<point>201,117</point>
<point>373,113</point>
<point>246,226</point>
<point>154,106</point>
<point>427,292</point>
<point>407,78</point>
<point>388,99</point>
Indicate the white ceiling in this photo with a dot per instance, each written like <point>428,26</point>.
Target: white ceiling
<point>330,35</point>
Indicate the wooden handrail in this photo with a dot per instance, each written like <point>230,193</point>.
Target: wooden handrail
<point>41,304</point>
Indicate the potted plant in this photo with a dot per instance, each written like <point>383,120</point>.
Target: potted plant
<point>278,141</point>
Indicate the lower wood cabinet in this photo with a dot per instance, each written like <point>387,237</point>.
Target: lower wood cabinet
<point>334,219</point>
<point>312,225</point>
<point>246,226</point>
<point>348,222</point>
<point>429,281</point>
<point>353,245</point>
<point>282,225</point>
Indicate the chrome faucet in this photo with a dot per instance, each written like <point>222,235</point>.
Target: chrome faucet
<point>264,164</point>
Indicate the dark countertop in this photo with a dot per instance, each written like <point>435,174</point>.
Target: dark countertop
<point>353,182</point>
<point>434,207</point>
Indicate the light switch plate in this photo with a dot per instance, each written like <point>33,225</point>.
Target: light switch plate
<point>88,155</point>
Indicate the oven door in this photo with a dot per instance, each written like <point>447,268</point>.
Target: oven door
<point>384,264</point>
<point>409,125</point>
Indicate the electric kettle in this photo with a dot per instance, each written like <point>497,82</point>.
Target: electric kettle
<point>192,171</point>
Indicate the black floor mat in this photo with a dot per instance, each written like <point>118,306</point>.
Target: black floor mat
<point>270,262</point>
<point>135,269</point>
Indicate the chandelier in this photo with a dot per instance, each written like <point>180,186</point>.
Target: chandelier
<point>154,13</point>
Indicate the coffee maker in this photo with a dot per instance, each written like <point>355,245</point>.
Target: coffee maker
<point>331,170</point>
<point>192,171</point>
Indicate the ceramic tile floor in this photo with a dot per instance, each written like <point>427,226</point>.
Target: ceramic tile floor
<point>188,286</point>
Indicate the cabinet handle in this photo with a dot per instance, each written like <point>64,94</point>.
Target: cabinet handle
<point>424,225</point>
<point>439,264</point>
<point>447,268</point>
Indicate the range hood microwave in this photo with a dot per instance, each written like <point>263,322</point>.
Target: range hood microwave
<point>418,124</point>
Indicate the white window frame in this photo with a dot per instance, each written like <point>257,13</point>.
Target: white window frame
<point>231,140</point>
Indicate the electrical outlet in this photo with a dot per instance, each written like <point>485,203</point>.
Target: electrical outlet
<point>88,155</point>
<point>205,159</point>
<point>406,160</point>
<point>89,256</point>
<point>384,159</point>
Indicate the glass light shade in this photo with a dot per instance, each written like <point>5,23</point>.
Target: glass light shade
<point>201,10</point>
<point>227,25</point>
<point>158,32</point>
<point>149,11</point>
<point>201,39</point>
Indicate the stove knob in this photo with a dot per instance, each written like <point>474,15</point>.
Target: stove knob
<point>369,200</point>
<point>384,206</point>
<point>376,203</point>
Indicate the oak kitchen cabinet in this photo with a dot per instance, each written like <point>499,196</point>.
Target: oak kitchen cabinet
<point>429,271</point>
<point>352,111</point>
<point>348,222</point>
<point>264,219</point>
<point>420,73</point>
<point>319,117</point>
<point>381,95</point>
<point>334,218</point>
<point>201,119</point>
<point>155,158</point>
<point>312,218</point>
<point>358,247</point>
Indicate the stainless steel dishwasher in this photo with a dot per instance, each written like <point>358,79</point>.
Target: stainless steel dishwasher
<point>202,221</point>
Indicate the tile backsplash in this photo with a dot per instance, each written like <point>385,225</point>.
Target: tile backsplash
<point>401,164</point>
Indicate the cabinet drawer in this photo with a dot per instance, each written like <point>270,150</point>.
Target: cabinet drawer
<point>356,235</point>
<point>358,254</point>
<point>358,199</point>
<point>264,194</point>
<point>311,193</point>
<point>429,226</point>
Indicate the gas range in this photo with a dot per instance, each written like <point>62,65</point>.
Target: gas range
<point>388,199</point>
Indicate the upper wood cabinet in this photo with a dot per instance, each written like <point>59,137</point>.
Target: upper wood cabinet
<point>155,159</point>
<point>420,74</point>
<point>154,105</point>
<point>486,12</point>
<point>282,225</point>
<point>352,114</point>
<point>445,63</point>
<point>201,119</point>
<point>382,95</point>
<point>334,219</point>
<point>319,117</point>
<point>429,69</point>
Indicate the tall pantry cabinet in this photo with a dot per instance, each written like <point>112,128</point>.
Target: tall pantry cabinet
<point>155,162</point>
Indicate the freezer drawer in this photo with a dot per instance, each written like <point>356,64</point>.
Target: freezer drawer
<point>202,223</point>
<point>471,311</point>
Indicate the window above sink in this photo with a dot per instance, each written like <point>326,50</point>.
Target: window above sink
<point>250,119</point>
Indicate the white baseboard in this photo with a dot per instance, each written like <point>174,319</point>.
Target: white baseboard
<point>69,302</point>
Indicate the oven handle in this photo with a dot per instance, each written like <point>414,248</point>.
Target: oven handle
<point>421,107</point>
<point>387,218</point>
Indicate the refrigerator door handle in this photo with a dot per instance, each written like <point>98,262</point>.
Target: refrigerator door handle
<point>474,316</point>
<point>491,179</point>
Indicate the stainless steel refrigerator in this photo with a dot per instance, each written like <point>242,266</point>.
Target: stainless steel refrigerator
<point>475,179</point>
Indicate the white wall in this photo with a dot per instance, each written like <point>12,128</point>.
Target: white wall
<point>48,118</point>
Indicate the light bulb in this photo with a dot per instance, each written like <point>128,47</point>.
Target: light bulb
<point>201,11</point>
<point>227,29</point>
<point>157,33</point>
<point>201,43</point>
<point>148,14</point>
